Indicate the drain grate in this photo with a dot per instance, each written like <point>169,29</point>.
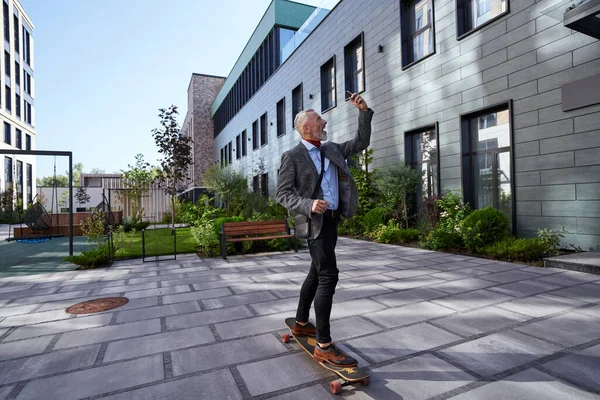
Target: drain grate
<point>98,305</point>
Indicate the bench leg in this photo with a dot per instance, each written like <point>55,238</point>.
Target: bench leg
<point>223,248</point>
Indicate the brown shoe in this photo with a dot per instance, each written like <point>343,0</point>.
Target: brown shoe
<point>306,330</point>
<point>332,355</point>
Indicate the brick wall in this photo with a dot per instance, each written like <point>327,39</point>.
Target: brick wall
<point>523,56</point>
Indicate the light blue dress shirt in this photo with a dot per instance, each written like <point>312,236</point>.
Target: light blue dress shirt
<point>329,184</point>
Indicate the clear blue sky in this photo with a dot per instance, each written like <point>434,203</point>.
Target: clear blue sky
<point>103,68</point>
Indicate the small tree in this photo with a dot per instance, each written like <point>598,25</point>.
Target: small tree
<point>231,186</point>
<point>81,196</point>
<point>364,180</point>
<point>176,153</point>
<point>137,180</point>
<point>63,201</point>
<point>396,183</point>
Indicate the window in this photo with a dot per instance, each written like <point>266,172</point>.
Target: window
<point>222,157</point>
<point>17,73</point>
<point>328,85</point>
<point>6,21</point>
<point>229,153</point>
<point>20,184</point>
<point>264,185</point>
<point>26,46</point>
<point>18,105</point>
<point>418,40</point>
<point>27,142</point>
<point>354,66</point>
<point>255,135</point>
<point>29,181</point>
<point>297,102</point>
<point>238,149</point>
<point>487,159</point>
<point>7,63</point>
<point>7,133</point>
<point>264,133</point>
<point>421,153</point>
<point>281,117</point>
<point>7,98</point>
<point>8,171</point>
<point>16,32</point>
<point>244,140</point>
<point>27,83</point>
<point>27,107</point>
<point>256,184</point>
<point>473,14</point>
<point>18,139</point>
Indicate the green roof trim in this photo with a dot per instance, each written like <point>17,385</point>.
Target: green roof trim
<point>280,12</point>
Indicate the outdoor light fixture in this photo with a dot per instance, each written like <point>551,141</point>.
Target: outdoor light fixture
<point>310,96</point>
<point>380,49</point>
<point>584,17</point>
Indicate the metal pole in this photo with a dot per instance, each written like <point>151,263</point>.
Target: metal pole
<point>70,204</point>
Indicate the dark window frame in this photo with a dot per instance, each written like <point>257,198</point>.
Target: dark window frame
<point>27,141</point>
<point>349,73</point>
<point>6,18</point>
<point>244,143</point>
<point>295,108</point>
<point>7,64</point>
<point>264,185</point>
<point>7,98</point>
<point>8,170</point>
<point>463,14</point>
<point>16,32</point>
<point>325,68</point>
<point>18,105</point>
<point>264,130</point>
<point>280,111</point>
<point>409,156</point>
<point>467,155</point>
<point>7,133</point>
<point>238,144</point>
<point>255,141</point>
<point>18,139</point>
<point>407,36</point>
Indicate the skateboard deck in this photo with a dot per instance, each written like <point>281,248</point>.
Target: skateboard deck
<point>349,375</point>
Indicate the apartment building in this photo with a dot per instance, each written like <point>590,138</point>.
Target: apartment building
<point>497,99</point>
<point>17,105</point>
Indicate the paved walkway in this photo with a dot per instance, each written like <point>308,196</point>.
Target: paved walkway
<point>428,325</point>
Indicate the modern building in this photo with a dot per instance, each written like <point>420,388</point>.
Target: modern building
<point>17,105</point>
<point>198,125</point>
<point>497,99</point>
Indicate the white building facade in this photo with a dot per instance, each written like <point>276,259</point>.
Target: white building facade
<point>477,95</point>
<point>17,105</point>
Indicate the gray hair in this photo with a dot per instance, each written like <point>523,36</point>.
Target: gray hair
<point>299,120</point>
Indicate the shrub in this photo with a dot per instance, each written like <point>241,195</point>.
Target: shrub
<point>397,183</point>
<point>207,239</point>
<point>92,258</point>
<point>129,226</point>
<point>550,240</point>
<point>446,234</point>
<point>120,240</point>
<point>374,218</point>
<point>484,227</point>
<point>515,249</point>
<point>392,233</point>
<point>221,220</point>
<point>351,226</point>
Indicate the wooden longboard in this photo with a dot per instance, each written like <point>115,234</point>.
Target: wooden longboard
<point>349,375</point>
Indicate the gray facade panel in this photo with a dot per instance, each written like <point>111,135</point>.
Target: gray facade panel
<point>523,56</point>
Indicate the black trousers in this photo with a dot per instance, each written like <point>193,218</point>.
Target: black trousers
<point>322,278</point>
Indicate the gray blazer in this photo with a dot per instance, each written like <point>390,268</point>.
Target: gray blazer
<point>298,175</point>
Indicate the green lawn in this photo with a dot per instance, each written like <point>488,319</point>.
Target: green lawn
<point>159,242</point>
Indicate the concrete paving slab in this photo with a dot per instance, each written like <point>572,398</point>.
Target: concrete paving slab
<point>401,342</point>
<point>525,288</point>
<point>96,381</point>
<point>480,321</point>
<point>404,297</point>
<point>470,300</point>
<point>207,317</point>
<point>509,276</point>
<point>588,292</point>
<point>23,348</point>
<point>531,385</point>
<point>106,333</point>
<point>157,343</point>
<point>217,385</point>
<point>54,327</point>
<point>280,373</point>
<point>60,361</point>
<point>236,300</point>
<point>540,305</point>
<point>34,318</point>
<point>157,312</point>
<point>499,352</point>
<point>462,285</point>
<point>317,392</point>
<point>223,354</point>
<point>565,330</point>
<point>5,391</point>
<point>581,367</point>
<point>406,315</point>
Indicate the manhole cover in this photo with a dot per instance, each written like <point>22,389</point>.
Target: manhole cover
<point>94,306</point>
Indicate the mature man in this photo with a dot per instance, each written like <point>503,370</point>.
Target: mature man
<point>315,184</point>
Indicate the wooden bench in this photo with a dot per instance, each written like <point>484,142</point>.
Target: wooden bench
<point>260,230</point>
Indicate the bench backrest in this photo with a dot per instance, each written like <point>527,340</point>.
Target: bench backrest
<point>254,228</point>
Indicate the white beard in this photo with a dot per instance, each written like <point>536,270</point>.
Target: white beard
<point>322,136</point>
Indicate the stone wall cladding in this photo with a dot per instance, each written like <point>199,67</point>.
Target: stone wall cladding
<point>202,91</point>
<point>523,56</point>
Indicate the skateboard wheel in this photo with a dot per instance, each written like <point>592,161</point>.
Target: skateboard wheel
<point>285,338</point>
<point>366,381</point>
<point>335,387</point>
